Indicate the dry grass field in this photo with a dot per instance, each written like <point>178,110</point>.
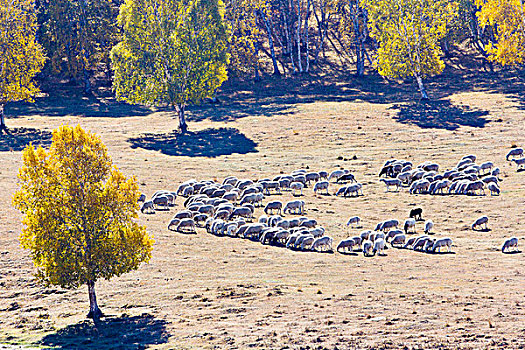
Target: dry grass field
<point>202,291</point>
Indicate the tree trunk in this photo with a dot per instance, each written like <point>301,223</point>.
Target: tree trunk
<point>270,42</point>
<point>183,127</point>
<point>257,75</point>
<point>307,37</point>
<point>94,310</point>
<point>298,36</point>
<point>3,127</point>
<point>422,89</point>
<point>87,83</point>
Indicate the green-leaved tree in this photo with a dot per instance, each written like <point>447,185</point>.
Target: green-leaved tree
<point>172,52</point>
<point>21,57</point>
<point>79,213</point>
<point>408,33</point>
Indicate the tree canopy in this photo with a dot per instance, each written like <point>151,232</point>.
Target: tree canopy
<point>508,19</point>
<point>172,52</point>
<point>79,213</point>
<point>408,33</point>
<point>21,56</point>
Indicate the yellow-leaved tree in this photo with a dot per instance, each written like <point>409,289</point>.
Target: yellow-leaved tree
<point>507,18</point>
<point>172,52</point>
<point>79,213</point>
<point>408,34</point>
<point>21,57</point>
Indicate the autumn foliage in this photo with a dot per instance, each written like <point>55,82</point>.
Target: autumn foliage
<point>79,213</point>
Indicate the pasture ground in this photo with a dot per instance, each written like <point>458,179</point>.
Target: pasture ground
<point>202,291</point>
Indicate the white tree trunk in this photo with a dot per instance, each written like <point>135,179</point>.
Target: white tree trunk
<point>183,127</point>
<point>94,310</point>
<point>3,127</point>
<point>298,32</point>
<point>422,89</point>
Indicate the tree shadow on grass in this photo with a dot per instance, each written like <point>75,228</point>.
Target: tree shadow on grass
<point>127,333</point>
<point>69,100</point>
<point>19,138</point>
<point>204,143</point>
<point>440,114</point>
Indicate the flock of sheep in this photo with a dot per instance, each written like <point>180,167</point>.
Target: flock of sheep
<point>227,208</point>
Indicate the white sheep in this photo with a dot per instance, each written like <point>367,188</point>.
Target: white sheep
<point>321,185</point>
<point>336,174</point>
<point>367,248</point>
<point>392,182</point>
<point>353,220</point>
<point>147,208</point>
<point>317,232</point>
<point>350,190</point>
<point>295,207</point>
<point>364,235</point>
<point>471,157</point>
<point>379,246</point>
<point>389,224</point>
<point>273,206</point>
<point>515,152</point>
<point>480,221</point>
<point>346,244</point>
<point>421,243</point>
<point>296,186</point>
<point>442,242</point>
<point>510,243</point>
<point>173,222</point>
<point>429,225</point>
<point>307,242</point>
<point>186,226</point>
<point>486,165</point>
<point>519,162</point>
<point>322,242</point>
<point>410,224</point>
<point>493,188</point>
<point>398,240</point>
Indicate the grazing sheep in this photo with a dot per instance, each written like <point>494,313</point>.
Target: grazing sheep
<point>379,246</point>
<point>398,240</point>
<point>429,225</point>
<point>244,212</point>
<point>323,175</point>
<point>387,170</point>
<point>490,179</point>
<point>493,188</point>
<point>405,177</point>
<point>147,208</point>
<point>222,214</point>
<point>206,209</point>
<point>321,185</point>
<point>389,224</point>
<point>495,172</point>
<point>350,190</point>
<point>294,207</point>
<point>183,214</point>
<point>367,248</point>
<point>519,162</point>
<point>515,152</point>
<point>322,242</point>
<point>272,185</point>
<point>161,201</point>
<point>336,174</point>
<point>174,222</point>
<point>253,230</point>
<point>284,184</point>
<point>412,241</point>
<point>187,191</point>
<point>471,157</point>
<point>486,165</point>
<point>410,224</point>
<point>440,186</point>
<point>392,182</point>
<point>353,220</point>
<point>346,178</point>
<point>309,223</point>
<point>186,226</point>
<point>312,177</point>
<point>142,198</point>
<point>317,232</point>
<point>294,186</point>
<point>419,186</point>
<point>473,186</point>
<point>357,241</point>
<point>271,206</point>
<point>510,243</point>
<point>421,243</point>
<point>200,219</point>
<point>442,242</point>
<point>346,244</point>
<point>392,234</point>
<point>341,191</point>
<point>231,196</point>
<point>307,242</point>
<point>480,221</point>
<point>416,213</point>
<point>365,235</point>
<point>290,242</point>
